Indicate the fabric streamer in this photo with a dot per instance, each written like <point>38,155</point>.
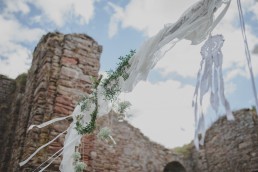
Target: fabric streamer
<point>41,147</point>
<point>48,122</point>
<point>104,108</point>
<point>70,144</point>
<point>209,78</point>
<point>247,53</point>
<point>194,25</point>
<point>50,162</point>
<point>57,154</point>
<point>72,134</point>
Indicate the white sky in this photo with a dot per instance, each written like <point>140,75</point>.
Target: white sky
<point>161,105</point>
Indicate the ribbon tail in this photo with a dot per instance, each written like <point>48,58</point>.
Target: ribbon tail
<point>247,53</point>
<point>41,147</point>
<point>48,122</point>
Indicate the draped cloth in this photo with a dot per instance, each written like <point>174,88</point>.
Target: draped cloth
<point>72,135</point>
<point>194,25</point>
<point>209,79</point>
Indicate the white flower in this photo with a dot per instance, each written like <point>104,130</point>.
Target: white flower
<point>104,133</point>
<point>76,156</point>
<point>80,166</point>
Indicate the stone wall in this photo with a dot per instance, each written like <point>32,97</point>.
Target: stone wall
<point>133,151</point>
<point>7,87</point>
<point>7,90</point>
<point>230,146</point>
<point>12,92</point>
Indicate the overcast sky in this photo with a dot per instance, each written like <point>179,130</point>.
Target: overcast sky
<point>162,104</point>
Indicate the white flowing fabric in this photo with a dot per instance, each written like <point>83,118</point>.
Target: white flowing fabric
<point>67,161</point>
<point>41,147</point>
<point>209,79</point>
<point>194,25</point>
<point>48,122</point>
<point>72,134</point>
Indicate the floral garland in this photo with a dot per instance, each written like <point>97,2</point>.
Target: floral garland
<point>110,84</point>
<point>111,91</point>
<point>87,102</point>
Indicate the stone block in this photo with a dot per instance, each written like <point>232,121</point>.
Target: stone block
<point>69,61</point>
<point>68,72</point>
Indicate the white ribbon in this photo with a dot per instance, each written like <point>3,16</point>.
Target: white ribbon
<point>59,152</point>
<point>41,147</point>
<point>247,52</point>
<point>48,122</point>
<point>50,162</point>
<point>209,79</point>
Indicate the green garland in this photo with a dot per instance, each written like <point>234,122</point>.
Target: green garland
<point>86,103</point>
<point>111,91</point>
<point>110,84</point>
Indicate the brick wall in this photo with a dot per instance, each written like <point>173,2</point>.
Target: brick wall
<point>230,146</point>
<point>133,151</point>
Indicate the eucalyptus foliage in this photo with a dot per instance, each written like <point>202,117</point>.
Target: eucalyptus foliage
<point>78,165</point>
<point>104,133</point>
<point>111,91</point>
<point>122,106</point>
<point>110,84</point>
<point>86,103</point>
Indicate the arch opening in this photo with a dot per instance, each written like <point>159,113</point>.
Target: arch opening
<point>174,167</point>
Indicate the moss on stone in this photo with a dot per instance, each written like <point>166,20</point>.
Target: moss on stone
<point>185,150</point>
<point>21,81</point>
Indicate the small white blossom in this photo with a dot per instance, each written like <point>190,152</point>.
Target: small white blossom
<point>80,166</point>
<point>104,133</point>
<point>76,156</point>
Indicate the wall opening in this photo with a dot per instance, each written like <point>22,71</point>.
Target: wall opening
<point>174,167</point>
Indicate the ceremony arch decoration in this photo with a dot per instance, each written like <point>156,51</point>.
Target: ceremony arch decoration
<point>196,24</point>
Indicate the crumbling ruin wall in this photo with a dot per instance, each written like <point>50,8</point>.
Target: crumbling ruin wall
<point>133,152</point>
<point>230,146</point>
<point>7,88</point>
<point>11,94</point>
<point>7,91</point>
